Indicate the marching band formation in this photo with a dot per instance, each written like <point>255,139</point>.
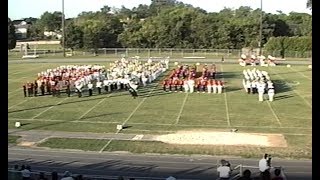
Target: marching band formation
<point>256,81</point>
<point>259,60</point>
<point>184,79</point>
<point>122,75</point>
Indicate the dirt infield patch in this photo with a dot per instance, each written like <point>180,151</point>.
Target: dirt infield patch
<point>224,138</point>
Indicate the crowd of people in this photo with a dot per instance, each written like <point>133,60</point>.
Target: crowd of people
<point>258,82</point>
<point>124,74</point>
<point>184,78</point>
<point>257,60</point>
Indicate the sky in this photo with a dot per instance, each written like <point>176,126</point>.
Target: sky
<point>18,9</point>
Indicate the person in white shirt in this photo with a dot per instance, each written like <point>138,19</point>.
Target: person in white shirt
<point>261,90</point>
<point>90,87</point>
<point>105,84</point>
<point>264,163</point>
<point>224,170</point>
<point>271,94</point>
<point>248,86</point>
<point>99,85</point>
<point>26,173</point>
<point>133,86</point>
<point>191,85</point>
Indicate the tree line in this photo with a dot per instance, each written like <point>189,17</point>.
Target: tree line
<point>173,24</point>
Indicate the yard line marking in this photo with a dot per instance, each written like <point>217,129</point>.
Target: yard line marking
<point>181,125</point>
<point>105,146</point>
<point>138,137</point>
<point>274,114</point>
<point>294,90</point>
<point>225,99</point>
<point>93,107</point>
<point>181,109</point>
<point>18,103</point>
<point>301,74</point>
<point>37,115</point>
<point>14,90</point>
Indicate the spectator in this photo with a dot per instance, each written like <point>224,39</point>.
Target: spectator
<point>54,175</point>
<point>263,164</point>
<point>246,175</point>
<point>224,170</point>
<point>277,173</point>
<point>42,176</point>
<point>26,173</point>
<point>67,176</point>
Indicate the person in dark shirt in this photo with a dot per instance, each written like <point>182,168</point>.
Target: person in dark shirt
<point>24,90</point>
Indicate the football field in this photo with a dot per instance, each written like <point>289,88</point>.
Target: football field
<point>159,112</point>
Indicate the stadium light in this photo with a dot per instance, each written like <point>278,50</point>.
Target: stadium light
<point>260,32</point>
<point>63,30</point>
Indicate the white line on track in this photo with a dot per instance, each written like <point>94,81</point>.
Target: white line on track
<point>92,107</point>
<point>181,109</point>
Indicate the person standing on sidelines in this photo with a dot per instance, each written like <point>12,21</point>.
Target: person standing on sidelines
<point>99,85</point>
<point>90,87</point>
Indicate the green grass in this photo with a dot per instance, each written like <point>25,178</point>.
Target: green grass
<point>158,113</point>
<point>13,139</point>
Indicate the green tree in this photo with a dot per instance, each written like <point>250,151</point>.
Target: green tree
<point>73,37</point>
<point>50,21</point>
<point>309,4</point>
<point>11,35</point>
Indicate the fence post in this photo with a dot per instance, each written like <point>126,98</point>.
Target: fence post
<point>296,54</point>
<point>182,53</point>
<point>171,52</point>
<point>159,51</point>
<point>240,170</point>
<point>105,51</point>
<point>193,52</point>
<point>127,52</point>
<point>148,53</point>
<point>116,51</point>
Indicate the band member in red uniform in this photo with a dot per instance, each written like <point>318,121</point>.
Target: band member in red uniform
<point>198,84</point>
<point>164,84</point>
<point>181,84</point>
<point>176,83</point>
<point>35,88</point>
<point>42,88</point>
<point>204,85</point>
<point>170,84</point>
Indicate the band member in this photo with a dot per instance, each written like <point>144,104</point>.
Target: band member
<point>191,84</point>
<point>99,85</point>
<point>198,85</point>
<point>185,85</point>
<point>254,86</point>
<point>271,94</point>
<point>214,86</point>
<point>105,84</point>
<point>90,87</point>
<point>79,88</point>
<point>169,84</point>
<point>42,88</point>
<point>248,86</point>
<point>219,87</point>
<point>35,88</point>
<point>180,84</point>
<point>204,85</point>
<point>68,91</point>
<point>53,87</point>
<point>29,89</point>
<point>164,85</point>
<point>175,83</point>
<point>133,86</point>
<point>48,85</point>
<point>209,85</point>
<point>261,89</point>
<point>24,90</point>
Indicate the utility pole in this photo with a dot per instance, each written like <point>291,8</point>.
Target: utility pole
<point>63,30</point>
<point>260,32</point>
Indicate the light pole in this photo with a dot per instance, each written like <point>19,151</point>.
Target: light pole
<point>260,32</point>
<point>63,28</point>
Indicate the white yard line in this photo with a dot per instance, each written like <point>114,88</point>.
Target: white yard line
<point>18,103</point>
<point>225,99</point>
<point>93,107</point>
<point>179,125</point>
<point>301,74</point>
<point>274,113</point>
<point>181,109</point>
<point>37,115</point>
<point>107,144</point>
<point>295,91</point>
